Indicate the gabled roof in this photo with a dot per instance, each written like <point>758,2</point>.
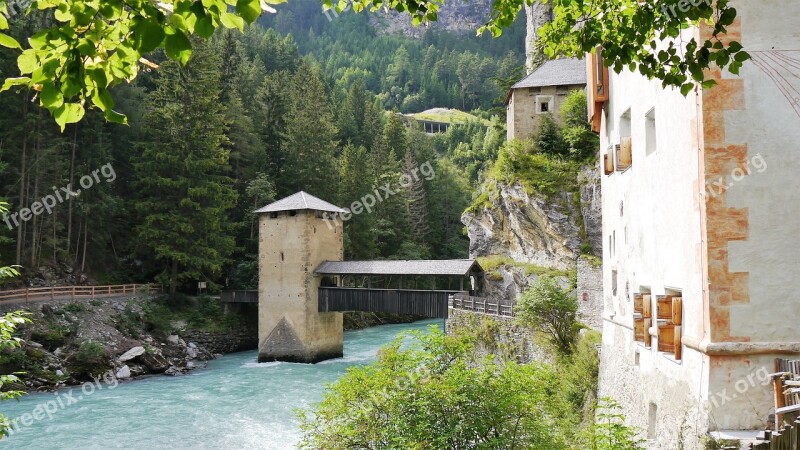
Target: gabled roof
<point>556,72</point>
<point>451,267</point>
<point>300,200</point>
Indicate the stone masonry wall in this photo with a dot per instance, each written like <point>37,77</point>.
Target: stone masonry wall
<point>497,335</point>
<point>590,293</point>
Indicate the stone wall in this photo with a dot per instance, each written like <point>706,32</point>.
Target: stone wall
<point>225,342</point>
<point>590,292</point>
<point>501,336</point>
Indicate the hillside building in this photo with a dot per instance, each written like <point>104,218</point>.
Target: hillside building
<point>540,93</point>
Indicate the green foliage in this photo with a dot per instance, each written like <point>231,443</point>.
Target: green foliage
<point>577,133</point>
<point>434,394</point>
<point>609,431</point>
<point>94,45</point>
<point>639,36</point>
<point>8,326</point>
<point>551,310</point>
<point>493,262</point>
<point>183,183</point>
<point>89,360</point>
<point>539,172</point>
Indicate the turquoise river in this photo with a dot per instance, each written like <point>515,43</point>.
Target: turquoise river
<point>234,403</point>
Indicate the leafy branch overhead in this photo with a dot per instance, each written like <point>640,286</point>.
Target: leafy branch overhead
<point>645,36</point>
<point>96,44</point>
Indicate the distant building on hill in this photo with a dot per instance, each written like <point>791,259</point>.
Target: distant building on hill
<point>438,120</point>
<point>542,92</point>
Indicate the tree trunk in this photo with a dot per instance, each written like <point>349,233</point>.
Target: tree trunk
<point>71,180</point>
<point>173,278</point>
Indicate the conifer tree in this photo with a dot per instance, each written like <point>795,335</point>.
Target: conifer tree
<point>310,145</point>
<point>354,185</point>
<point>182,173</point>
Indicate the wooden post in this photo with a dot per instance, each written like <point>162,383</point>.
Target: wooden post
<point>461,284</point>
<point>92,292</point>
<point>26,295</point>
<point>73,292</point>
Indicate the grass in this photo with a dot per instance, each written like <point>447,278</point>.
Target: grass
<point>452,116</point>
<point>491,263</point>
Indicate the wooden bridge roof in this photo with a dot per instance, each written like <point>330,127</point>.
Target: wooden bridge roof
<point>449,267</point>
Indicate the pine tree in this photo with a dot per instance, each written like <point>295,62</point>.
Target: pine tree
<point>182,172</point>
<point>310,145</point>
<point>416,200</point>
<point>355,184</point>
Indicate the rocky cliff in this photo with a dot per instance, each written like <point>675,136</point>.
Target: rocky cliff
<point>536,15</point>
<point>455,16</point>
<point>522,235</point>
<point>547,231</point>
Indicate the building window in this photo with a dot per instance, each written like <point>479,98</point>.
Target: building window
<point>534,90</point>
<point>614,282</point>
<point>544,104</point>
<point>651,142</point>
<point>669,312</point>
<point>642,316</point>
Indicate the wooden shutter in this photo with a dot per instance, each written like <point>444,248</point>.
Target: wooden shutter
<point>624,153</point>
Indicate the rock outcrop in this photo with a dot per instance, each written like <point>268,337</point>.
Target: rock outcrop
<point>536,15</point>
<point>527,228</point>
<point>456,16</point>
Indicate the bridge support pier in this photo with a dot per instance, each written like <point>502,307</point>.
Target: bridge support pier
<point>292,243</point>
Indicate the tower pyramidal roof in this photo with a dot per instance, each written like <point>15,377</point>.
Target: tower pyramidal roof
<point>300,200</point>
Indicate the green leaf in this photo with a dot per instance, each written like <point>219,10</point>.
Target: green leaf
<point>51,97</point>
<point>686,88</point>
<point>178,47</point>
<point>708,84</point>
<point>27,61</point>
<point>113,116</point>
<point>249,9</point>
<point>8,41</point>
<point>149,34</point>
<point>18,81</point>
<point>231,21</point>
<point>3,22</point>
<point>68,113</point>
<point>102,99</point>
<point>204,27</point>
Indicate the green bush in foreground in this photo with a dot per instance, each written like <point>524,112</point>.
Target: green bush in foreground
<point>435,394</point>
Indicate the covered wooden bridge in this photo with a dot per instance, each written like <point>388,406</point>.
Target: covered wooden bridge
<point>420,287</point>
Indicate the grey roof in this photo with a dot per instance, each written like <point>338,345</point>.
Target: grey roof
<point>300,200</point>
<point>451,267</point>
<point>556,72</point>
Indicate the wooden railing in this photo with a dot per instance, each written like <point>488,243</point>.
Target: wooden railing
<point>787,439</point>
<point>75,292</point>
<point>481,305</point>
<point>240,296</point>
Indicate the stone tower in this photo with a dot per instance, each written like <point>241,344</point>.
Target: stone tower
<point>296,236</point>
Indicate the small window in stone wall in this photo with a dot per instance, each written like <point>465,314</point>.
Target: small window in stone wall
<point>544,104</point>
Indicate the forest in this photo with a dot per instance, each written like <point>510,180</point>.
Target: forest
<point>295,102</point>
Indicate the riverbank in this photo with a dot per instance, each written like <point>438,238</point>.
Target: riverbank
<point>71,342</point>
<point>233,403</point>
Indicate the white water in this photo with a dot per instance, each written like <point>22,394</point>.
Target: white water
<point>235,403</point>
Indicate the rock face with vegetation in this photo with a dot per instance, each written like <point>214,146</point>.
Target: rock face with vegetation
<point>526,227</point>
<point>71,342</point>
<point>458,17</point>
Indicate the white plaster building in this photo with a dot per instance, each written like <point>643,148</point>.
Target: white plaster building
<point>701,219</point>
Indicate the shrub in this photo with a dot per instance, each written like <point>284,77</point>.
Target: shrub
<point>435,394</point>
<point>89,360</point>
<point>609,431</point>
<point>75,307</point>
<point>551,310</point>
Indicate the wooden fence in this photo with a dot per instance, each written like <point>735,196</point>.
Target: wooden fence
<point>481,305</point>
<point>787,439</point>
<point>76,292</point>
